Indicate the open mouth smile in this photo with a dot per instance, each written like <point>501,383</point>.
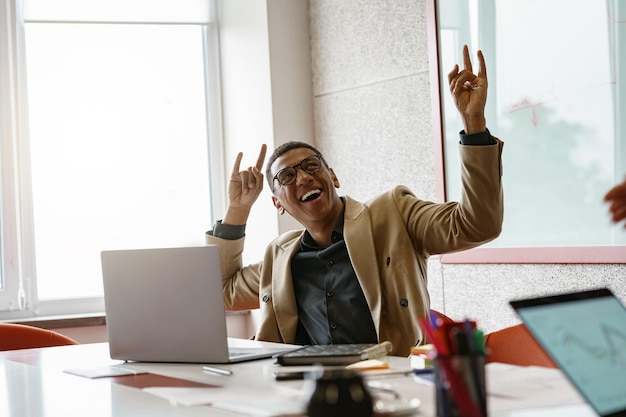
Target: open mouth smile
<point>311,195</point>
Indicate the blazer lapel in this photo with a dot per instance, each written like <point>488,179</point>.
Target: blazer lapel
<point>282,289</point>
<point>360,243</point>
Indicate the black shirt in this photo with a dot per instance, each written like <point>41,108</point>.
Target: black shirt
<point>332,308</point>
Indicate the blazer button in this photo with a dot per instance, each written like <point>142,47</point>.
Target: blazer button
<point>404,302</point>
<point>266,298</point>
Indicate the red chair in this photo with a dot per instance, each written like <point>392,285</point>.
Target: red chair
<point>441,320</point>
<point>19,336</point>
<point>442,317</point>
<point>515,345</point>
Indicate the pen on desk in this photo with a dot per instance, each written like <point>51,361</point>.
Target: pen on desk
<point>386,374</point>
<point>214,370</point>
<point>423,371</point>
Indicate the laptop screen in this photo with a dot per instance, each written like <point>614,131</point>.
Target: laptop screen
<point>585,334</point>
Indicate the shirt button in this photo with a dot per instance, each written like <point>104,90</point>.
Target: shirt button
<point>333,326</point>
<point>266,298</point>
<point>331,263</point>
<point>329,294</point>
<point>404,302</point>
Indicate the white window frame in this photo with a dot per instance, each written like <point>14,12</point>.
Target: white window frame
<point>18,296</point>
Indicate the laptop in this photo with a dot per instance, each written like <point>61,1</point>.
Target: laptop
<point>166,305</point>
<point>585,334</point>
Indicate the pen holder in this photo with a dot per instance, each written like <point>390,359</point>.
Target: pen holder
<point>460,385</point>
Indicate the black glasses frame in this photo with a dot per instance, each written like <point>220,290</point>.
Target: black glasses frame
<point>294,168</point>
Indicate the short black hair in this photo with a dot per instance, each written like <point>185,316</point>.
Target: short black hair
<point>286,147</point>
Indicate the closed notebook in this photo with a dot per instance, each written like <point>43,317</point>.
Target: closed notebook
<point>339,354</point>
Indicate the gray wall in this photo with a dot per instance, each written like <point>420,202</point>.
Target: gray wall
<point>372,111</point>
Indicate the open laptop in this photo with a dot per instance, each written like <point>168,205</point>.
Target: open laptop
<point>166,305</point>
<point>585,334</point>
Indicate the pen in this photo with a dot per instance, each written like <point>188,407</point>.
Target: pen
<point>385,374</point>
<point>475,350</point>
<point>214,370</point>
<point>423,371</point>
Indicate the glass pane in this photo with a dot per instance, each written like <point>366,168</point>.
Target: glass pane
<point>552,99</point>
<point>119,145</point>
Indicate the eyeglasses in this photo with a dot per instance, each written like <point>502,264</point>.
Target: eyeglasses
<point>310,165</point>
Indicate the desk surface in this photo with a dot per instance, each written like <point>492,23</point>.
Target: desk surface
<point>33,383</point>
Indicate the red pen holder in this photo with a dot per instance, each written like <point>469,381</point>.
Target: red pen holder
<point>460,385</point>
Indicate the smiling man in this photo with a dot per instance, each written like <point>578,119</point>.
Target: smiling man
<point>357,272</point>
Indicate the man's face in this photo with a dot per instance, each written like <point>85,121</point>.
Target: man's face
<point>312,197</point>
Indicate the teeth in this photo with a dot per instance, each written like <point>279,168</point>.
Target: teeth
<point>309,194</point>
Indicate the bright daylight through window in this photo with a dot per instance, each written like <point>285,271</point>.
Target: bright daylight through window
<point>113,152</point>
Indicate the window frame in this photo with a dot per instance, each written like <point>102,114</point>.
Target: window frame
<point>598,254</point>
<point>17,260</point>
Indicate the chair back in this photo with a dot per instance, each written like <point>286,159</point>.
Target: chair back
<point>515,345</point>
<point>441,320</point>
<point>20,336</point>
<point>441,317</point>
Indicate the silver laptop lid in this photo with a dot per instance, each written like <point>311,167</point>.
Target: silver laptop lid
<point>165,305</point>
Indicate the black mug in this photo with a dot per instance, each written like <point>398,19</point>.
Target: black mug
<point>340,393</point>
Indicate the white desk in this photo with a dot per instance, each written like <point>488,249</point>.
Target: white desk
<point>33,383</point>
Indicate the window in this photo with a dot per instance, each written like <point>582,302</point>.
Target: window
<point>555,98</point>
<point>114,142</point>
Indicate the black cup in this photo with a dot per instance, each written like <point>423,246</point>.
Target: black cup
<point>340,393</point>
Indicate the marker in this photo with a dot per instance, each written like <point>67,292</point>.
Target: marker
<point>219,371</point>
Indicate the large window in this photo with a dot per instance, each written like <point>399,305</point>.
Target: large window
<point>113,141</point>
<point>556,98</point>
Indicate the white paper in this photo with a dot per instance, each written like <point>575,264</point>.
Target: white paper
<point>511,387</point>
<point>104,371</point>
<point>271,401</point>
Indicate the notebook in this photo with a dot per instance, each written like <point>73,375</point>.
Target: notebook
<point>585,334</point>
<point>166,305</point>
<point>339,354</point>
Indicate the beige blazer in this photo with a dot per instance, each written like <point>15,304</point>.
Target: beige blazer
<point>389,240</point>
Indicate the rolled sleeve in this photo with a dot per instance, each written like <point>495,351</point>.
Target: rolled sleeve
<point>228,231</point>
<point>477,139</point>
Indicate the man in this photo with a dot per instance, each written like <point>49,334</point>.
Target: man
<point>357,273</point>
